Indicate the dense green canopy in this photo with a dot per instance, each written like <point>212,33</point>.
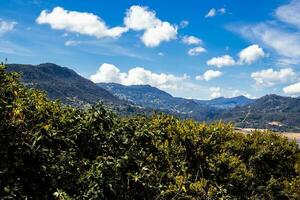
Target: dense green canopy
<point>51,151</point>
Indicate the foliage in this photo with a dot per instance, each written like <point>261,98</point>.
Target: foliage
<point>51,151</point>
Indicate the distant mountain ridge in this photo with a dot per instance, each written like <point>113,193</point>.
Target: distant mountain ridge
<point>271,111</point>
<point>268,112</point>
<point>223,102</point>
<point>62,83</point>
<point>151,97</point>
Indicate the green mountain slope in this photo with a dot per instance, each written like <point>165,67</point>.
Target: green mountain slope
<point>227,103</point>
<point>62,83</point>
<point>151,97</point>
<point>271,112</point>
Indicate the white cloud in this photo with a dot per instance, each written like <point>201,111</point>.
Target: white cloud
<point>196,51</point>
<point>285,43</point>
<point>293,89</point>
<point>6,26</point>
<point>155,35</point>
<point>108,73</point>
<point>184,23</point>
<point>209,74</point>
<point>251,54</point>
<point>246,56</point>
<point>270,77</point>
<point>279,34</point>
<point>237,92</point>
<point>215,92</point>
<point>8,47</point>
<point>222,11</point>
<point>79,22</point>
<point>140,18</point>
<point>155,31</point>
<point>137,18</point>
<point>190,40</point>
<point>289,13</point>
<point>181,86</point>
<point>222,61</point>
<point>71,43</point>
<point>211,13</point>
<point>137,76</point>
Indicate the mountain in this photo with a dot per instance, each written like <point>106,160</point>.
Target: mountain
<point>226,103</point>
<point>268,112</point>
<point>271,111</point>
<point>151,97</point>
<point>63,83</point>
<point>140,94</point>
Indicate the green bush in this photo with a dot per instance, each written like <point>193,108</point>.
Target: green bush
<point>51,151</point>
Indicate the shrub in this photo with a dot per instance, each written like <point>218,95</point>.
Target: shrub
<point>52,151</point>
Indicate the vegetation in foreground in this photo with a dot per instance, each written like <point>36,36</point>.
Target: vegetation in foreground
<point>51,151</point>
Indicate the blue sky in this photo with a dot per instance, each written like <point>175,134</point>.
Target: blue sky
<point>194,48</point>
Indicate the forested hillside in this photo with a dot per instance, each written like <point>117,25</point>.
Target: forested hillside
<point>63,83</point>
<point>154,98</point>
<point>52,151</point>
<point>269,112</point>
<point>227,103</point>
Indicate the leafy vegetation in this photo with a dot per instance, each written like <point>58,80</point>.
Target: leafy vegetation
<point>52,151</point>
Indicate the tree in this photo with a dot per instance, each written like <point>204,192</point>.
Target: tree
<point>52,151</point>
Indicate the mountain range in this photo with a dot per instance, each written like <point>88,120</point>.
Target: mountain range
<point>63,83</point>
<point>151,97</point>
<point>271,111</point>
<point>268,112</point>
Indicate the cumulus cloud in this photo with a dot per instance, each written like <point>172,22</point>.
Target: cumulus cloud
<point>155,31</point>
<point>222,61</point>
<point>79,22</point>
<point>191,40</point>
<point>213,12</point>
<point>270,77</point>
<point>177,85</point>
<point>215,92</point>
<point>155,35</point>
<point>196,51</point>
<point>251,54</point>
<point>138,18</point>
<point>289,13</point>
<point>108,73</point>
<point>137,76</point>
<point>246,56</point>
<point>209,74</point>
<point>6,26</point>
<point>293,89</point>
